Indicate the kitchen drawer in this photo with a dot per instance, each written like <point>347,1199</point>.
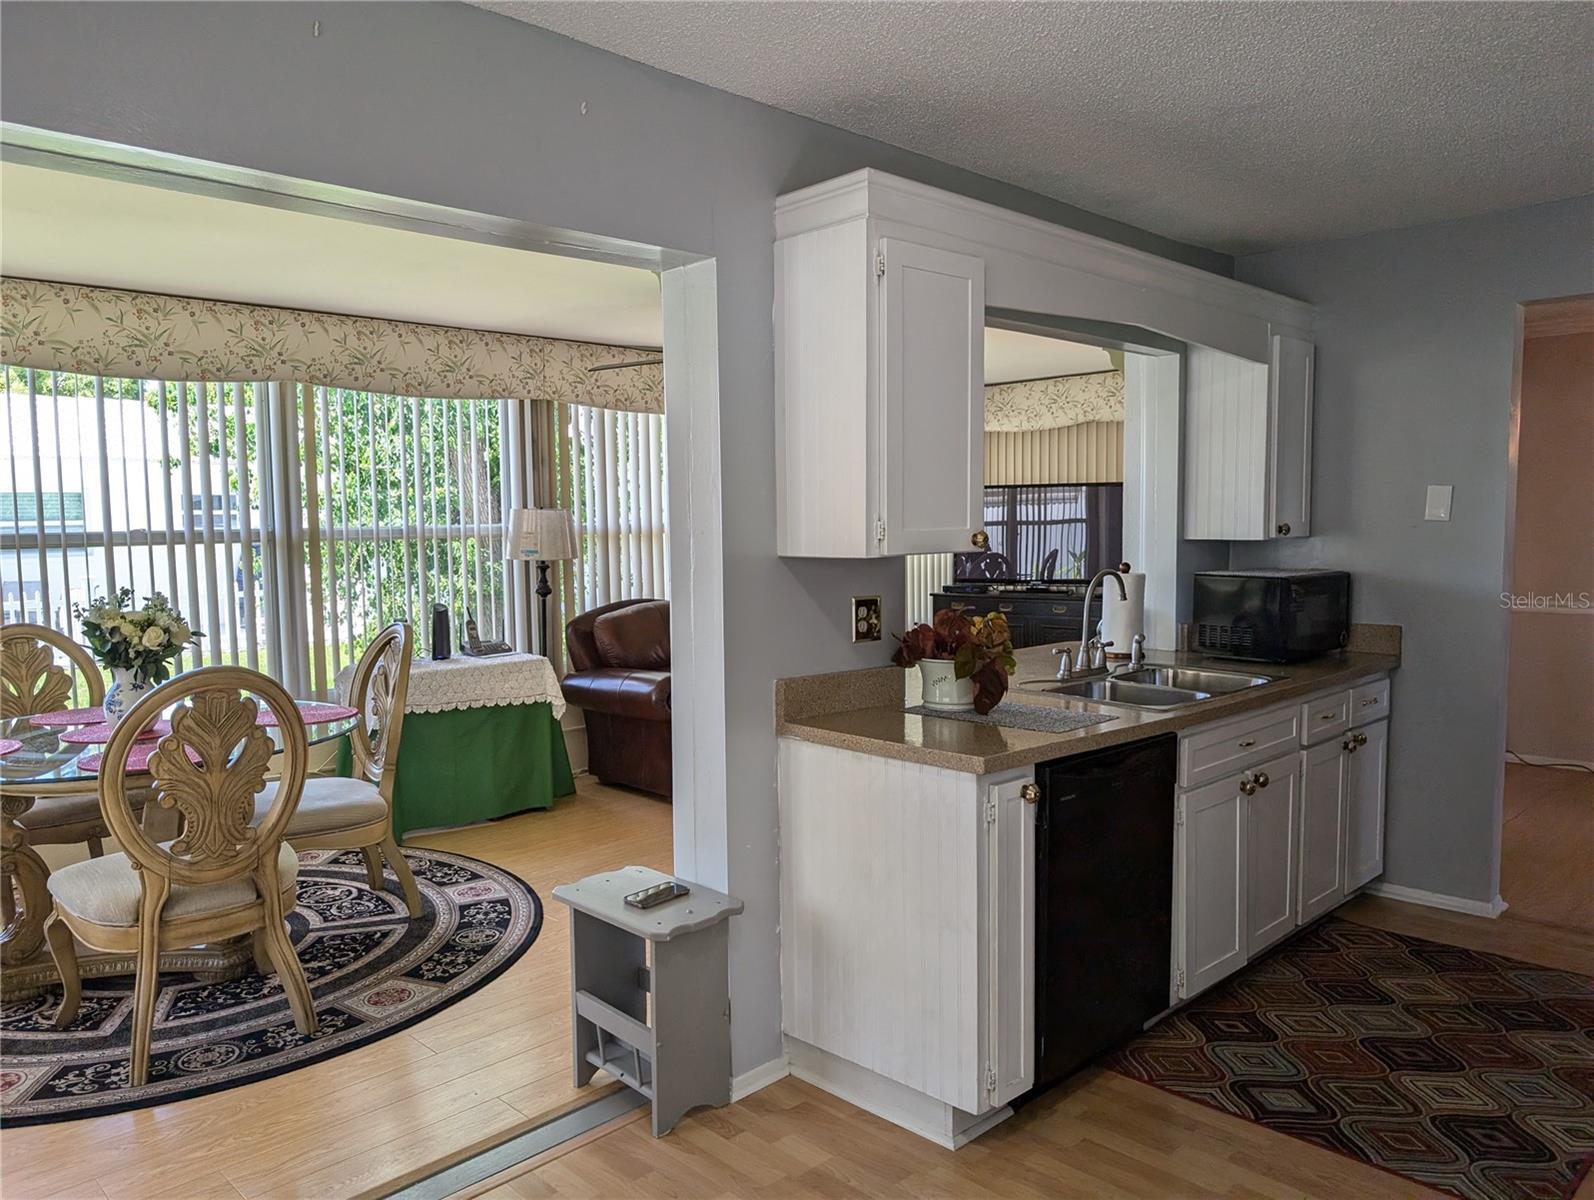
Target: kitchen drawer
<point>1370,702</point>
<point>1323,717</point>
<point>1214,751</point>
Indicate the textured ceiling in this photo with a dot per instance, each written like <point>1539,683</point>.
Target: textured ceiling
<point>1237,126</point>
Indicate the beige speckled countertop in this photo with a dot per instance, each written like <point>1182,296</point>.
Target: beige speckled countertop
<point>863,710</point>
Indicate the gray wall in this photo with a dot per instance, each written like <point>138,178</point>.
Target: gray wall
<point>1416,337</point>
<point>456,106</point>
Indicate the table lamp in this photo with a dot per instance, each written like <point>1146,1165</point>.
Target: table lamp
<point>541,535</point>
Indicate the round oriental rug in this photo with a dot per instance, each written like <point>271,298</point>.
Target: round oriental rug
<point>371,970</point>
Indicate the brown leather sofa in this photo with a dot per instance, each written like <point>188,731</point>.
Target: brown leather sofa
<point>620,679</point>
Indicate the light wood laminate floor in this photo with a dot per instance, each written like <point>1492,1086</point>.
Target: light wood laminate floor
<point>1547,844</point>
<point>483,1068</point>
<point>489,1066</point>
<point>1100,1135</point>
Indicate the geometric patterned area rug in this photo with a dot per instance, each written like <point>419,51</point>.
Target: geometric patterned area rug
<point>372,972</point>
<point>1467,1072</point>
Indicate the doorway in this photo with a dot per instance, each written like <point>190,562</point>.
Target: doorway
<point>1547,833</point>
<point>498,1061</point>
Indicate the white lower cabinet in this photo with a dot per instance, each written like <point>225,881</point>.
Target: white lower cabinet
<point>1322,829</point>
<point>1272,827</point>
<point>908,935</point>
<point>1294,825</point>
<point>1367,762</point>
<point>1210,885</point>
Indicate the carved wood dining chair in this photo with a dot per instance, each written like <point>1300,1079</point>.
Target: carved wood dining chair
<point>357,813</point>
<point>223,876</point>
<point>34,680</point>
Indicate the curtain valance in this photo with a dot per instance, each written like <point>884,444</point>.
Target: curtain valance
<point>1052,403</point>
<point>104,331</point>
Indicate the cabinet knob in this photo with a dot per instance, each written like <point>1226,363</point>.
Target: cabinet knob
<point>1284,529</point>
<point>1261,779</point>
<point>1248,786</point>
<point>981,540</point>
<point>1349,745</point>
<point>1030,793</point>
<point>1361,739</point>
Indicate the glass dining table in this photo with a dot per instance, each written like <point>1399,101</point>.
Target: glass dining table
<point>57,759</point>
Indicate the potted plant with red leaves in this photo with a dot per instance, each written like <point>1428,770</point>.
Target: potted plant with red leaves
<point>963,661</point>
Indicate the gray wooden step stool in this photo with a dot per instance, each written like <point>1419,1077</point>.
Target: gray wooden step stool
<point>679,1056</point>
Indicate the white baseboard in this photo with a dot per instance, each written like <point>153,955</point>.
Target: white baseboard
<point>759,1078</point>
<point>1476,908</point>
<point>914,1111</point>
<point>1548,760</point>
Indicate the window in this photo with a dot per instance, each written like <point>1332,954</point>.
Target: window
<point>1056,531</point>
<point>289,523</point>
<point>609,469</point>
<point>409,499</point>
<point>64,507</point>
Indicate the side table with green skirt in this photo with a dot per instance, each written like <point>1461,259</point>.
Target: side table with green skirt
<point>461,765</point>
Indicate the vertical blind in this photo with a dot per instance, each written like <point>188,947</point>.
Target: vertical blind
<point>287,522</point>
<point>609,469</point>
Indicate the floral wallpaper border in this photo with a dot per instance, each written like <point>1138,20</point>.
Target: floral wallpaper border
<point>1052,403</point>
<point>104,331</point>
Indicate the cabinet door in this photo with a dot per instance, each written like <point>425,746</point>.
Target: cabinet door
<point>1211,885</point>
<point>1225,447</point>
<point>1290,435</point>
<point>932,387</point>
<point>1366,767</point>
<point>1010,940</point>
<point>1322,869</point>
<point>1272,850</point>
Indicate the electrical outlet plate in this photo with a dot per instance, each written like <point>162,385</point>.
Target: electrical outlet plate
<point>866,618</point>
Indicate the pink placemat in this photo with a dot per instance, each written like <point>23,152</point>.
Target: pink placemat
<point>8,745</point>
<point>137,757</point>
<point>311,713</point>
<point>70,716</point>
<point>98,735</point>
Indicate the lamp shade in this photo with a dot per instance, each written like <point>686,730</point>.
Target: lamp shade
<point>548,534</point>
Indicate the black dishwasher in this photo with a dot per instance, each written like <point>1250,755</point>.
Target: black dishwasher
<point>1103,900</point>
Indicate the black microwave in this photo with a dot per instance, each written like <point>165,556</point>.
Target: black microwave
<point>1271,616</point>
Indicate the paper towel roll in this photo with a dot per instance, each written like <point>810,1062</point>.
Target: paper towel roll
<point>1122,619</point>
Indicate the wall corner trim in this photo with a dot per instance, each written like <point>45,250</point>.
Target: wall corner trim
<point>1477,908</point>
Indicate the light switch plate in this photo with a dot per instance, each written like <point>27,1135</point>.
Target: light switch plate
<point>866,618</point>
<point>1438,507</point>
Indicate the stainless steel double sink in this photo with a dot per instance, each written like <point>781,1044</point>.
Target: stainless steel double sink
<point>1152,687</point>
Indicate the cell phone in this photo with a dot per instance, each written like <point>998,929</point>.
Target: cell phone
<point>650,897</point>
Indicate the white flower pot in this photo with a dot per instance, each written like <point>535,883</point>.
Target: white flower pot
<point>942,689</point>
<point>125,691</point>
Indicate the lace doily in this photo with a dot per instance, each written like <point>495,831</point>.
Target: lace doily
<point>462,682</point>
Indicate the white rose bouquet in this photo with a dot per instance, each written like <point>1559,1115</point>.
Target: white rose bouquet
<point>142,641</point>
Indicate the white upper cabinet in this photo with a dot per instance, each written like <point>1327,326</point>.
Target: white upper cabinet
<point>880,388</point>
<point>881,289</point>
<point>932,382</point>
<point>1248,443</point>
<point>1290,436</point>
